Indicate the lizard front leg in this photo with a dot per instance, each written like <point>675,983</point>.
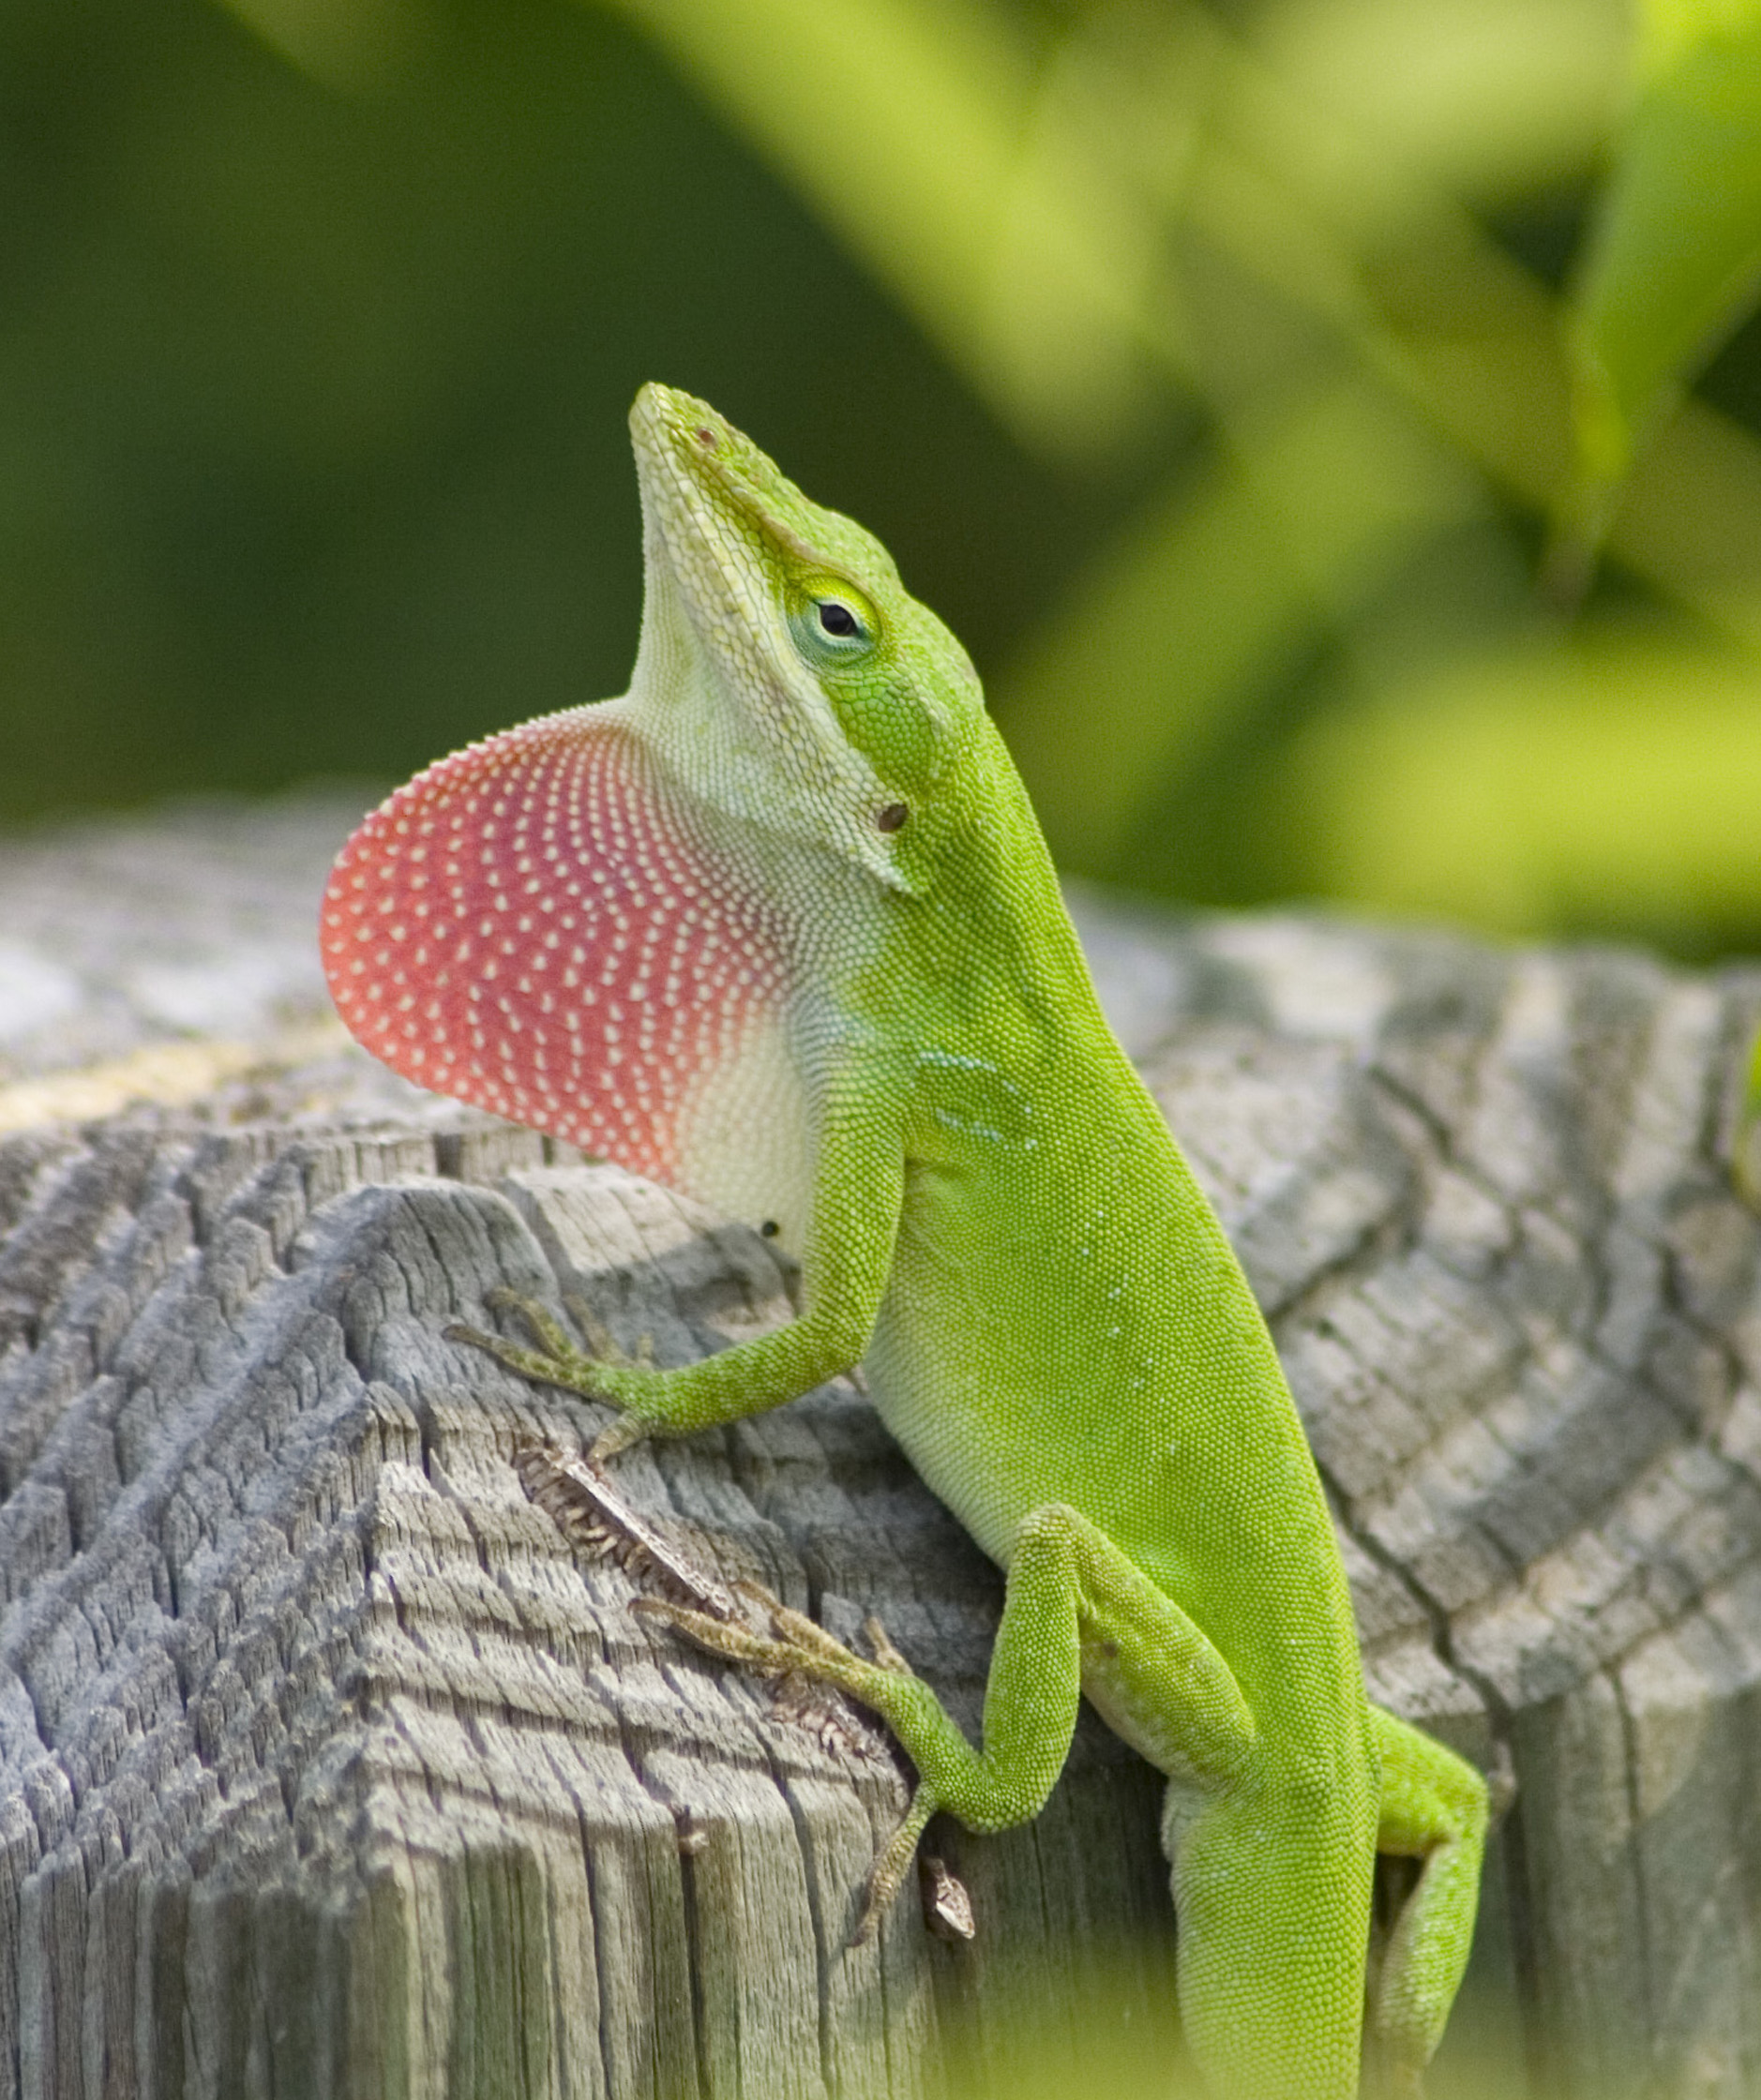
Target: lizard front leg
<point>858,1190</point>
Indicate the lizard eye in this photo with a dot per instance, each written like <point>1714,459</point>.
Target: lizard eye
<point>836,618</point>
<point>833,629</point>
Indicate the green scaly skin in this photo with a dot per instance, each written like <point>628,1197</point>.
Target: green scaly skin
<point>992,1219</point>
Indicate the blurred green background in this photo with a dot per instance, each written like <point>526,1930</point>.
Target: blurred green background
<point>1333,426</point>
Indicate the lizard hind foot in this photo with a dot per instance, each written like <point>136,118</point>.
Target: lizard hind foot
<point>795,1646</point>
<point>885,1653</point>
<point>727,1638</point>
<point>819,1653</point>
<point>601,1341</point>
<point>799,1647</point>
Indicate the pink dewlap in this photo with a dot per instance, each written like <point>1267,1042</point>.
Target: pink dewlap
<point>532,927</point>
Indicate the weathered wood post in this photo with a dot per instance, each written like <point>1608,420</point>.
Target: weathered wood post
<point>330,1767</point>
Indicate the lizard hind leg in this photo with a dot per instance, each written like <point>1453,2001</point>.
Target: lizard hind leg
<point>1076,1607</point>
<point>1435,1808</point>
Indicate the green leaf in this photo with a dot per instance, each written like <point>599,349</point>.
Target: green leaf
<point>1611,783</point>
<point>343,44</point>
<point>929,135</point>
<point>1493,100</point>
<point>1209,597</point>
<point>1674,259</point>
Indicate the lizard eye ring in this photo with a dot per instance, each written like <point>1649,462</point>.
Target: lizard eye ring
<point>832,630</point>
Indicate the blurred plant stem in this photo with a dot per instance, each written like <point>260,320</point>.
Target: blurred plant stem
<point>1674,255</point>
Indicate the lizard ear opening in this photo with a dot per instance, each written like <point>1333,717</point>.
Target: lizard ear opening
<point>536,925</point>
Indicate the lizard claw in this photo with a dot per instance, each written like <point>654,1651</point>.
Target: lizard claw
<point>617,1435</point>
<point>555,1361</point>
<point>474,1338</point>
<point>601,1341</point>
<point>547,1331</point>
<point>885,1653</point>
<point>572,1373</point>
<point>836,1662</point>
<point>796,1646</point>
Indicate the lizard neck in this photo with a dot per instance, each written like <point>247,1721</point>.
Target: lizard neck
<point>989,939</point>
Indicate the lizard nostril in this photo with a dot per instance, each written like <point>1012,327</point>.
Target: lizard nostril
<point>706,438</point>
<point>892,818</point>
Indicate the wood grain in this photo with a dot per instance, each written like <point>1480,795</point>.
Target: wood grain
<point>326,1766</point>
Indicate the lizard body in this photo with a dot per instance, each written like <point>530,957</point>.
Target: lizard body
<point>779,927</point>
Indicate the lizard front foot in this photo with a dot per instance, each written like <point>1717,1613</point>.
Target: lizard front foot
<point>591,1372</point>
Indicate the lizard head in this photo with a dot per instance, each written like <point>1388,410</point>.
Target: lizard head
<point>784,673</point>
<point>601,922</point>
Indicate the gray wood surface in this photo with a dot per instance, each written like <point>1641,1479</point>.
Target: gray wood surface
<point>329,1766</point>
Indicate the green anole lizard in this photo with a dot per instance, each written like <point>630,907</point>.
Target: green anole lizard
<point>778,927</point>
